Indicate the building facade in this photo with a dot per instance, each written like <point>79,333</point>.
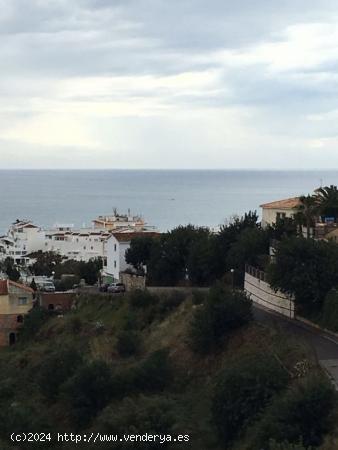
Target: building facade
<point>117,246</point>
<point>280,209</point>
<point>16,300</point>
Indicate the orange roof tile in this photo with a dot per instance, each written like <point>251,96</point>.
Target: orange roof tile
<point>20,286</point>
<point>288,203</point>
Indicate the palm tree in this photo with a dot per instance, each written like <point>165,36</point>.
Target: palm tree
<point>327,199</point>
<point>307,211</point>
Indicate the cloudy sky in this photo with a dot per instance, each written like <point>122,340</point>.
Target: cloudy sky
<point>169,84</point>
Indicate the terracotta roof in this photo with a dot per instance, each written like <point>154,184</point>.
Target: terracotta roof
<point>20,286</point>
<point>3,287</point>
<point>288,203</point>
<point>127,237</point>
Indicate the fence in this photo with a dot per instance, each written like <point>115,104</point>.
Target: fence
<point>259,290</point>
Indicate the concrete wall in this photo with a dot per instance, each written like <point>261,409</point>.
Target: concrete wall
<point>260,292</point>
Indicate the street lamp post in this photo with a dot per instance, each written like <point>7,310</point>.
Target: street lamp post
<point>232,278</point>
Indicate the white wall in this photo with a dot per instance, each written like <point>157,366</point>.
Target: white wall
<point>269,215</point>
<point>260,292</point>
<point>113,257</point>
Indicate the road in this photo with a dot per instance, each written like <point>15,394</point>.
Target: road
<point>324,345</point>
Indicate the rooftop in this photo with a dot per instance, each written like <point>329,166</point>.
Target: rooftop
<point>288,203</point>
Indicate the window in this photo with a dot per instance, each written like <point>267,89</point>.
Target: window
<point>22,301</point>
<point>280,215</point>
<point>19,319</point>
<point>114,247</point>
<point>115,264</point>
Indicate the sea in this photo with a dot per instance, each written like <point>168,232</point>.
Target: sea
<point>165,198</point>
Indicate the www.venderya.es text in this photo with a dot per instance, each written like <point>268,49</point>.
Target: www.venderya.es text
<point>98,438</point>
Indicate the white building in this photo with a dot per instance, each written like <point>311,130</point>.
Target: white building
<point>117,245</point>
<point>83,244</point>
<point>280,209</point>
<point>23,238</point>
<point>118,221</point>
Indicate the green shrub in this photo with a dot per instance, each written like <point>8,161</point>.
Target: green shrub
<point>142,299</point>
<point>128,343</point>
<point>242,391</point>
<point>224,310</point>
<point>33,322</point>
<point>154,374</point>
<point>171,300</point>
<point>198,297</point>
<point>74,324</point>
<point>88,392</point>
<point>303,413</point>
<point>330,311</point>
<point>55,369</point>
<point>151,375</point>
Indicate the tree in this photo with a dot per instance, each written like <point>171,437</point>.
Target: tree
<point>227,236</point>
<point>305,269</point>
<point>45,262</point>
<point>249,247</point>
<point>223,311</point>
<point>307,211</point>
<point>329,317</point>
<point>327,200</point>
<point>33,322</point>
<point>8,266</point>
<point>88,270</point>
<point>201,261</point>
<point>242,391</point>
<point>88,392</point>
<point>56,368</point>
<point>138,254</point>
<point>304,414</point>
<point>284,227</point>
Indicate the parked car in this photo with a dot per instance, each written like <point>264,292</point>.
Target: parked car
<point>104,287</point>
<point>115,288</point>
<point>46,286</point>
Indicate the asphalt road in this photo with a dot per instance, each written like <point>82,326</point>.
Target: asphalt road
<point>324,345</point>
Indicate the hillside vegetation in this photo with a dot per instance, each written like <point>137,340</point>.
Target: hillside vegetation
<point>173,363</point>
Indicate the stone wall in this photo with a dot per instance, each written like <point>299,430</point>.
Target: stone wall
<point>132,281</point>
<point>260,292</point>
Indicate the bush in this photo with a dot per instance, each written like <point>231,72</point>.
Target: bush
<point>223,311</point>
<point>198,297</point>
<point>142,299</point>
<point>303,413</point>
<point>88,392</point>
<point>153,415</point>
<point>330,311</point>
<point>152,375</point>
<point>171,300</point>
<point>56,369</point>
<point>128,343</point>
<point>242,391</point>
<point>33,322</point>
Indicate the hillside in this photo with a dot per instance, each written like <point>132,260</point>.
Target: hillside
<point>124,365</point>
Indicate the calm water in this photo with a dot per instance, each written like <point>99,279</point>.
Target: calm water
<point>165,198</point>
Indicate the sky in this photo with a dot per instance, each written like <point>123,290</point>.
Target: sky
<point>171,84</point>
